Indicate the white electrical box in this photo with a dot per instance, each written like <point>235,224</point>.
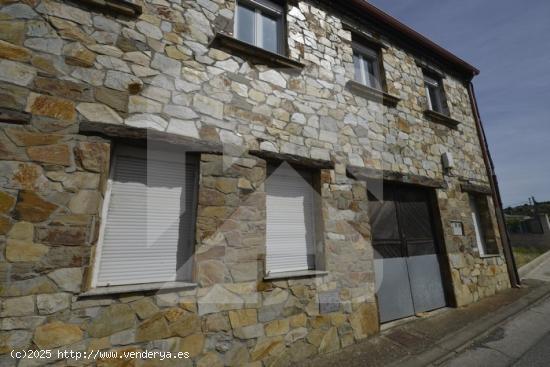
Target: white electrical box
<point>448,161</point>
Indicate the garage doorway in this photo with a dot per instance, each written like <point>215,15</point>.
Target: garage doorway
<point>407,265</point>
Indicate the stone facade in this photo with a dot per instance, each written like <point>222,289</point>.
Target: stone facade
<point>65,66</point>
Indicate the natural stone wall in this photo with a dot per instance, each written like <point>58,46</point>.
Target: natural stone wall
<point>230,220</point>
<point>49,207</point>
<point>283,316</point>
<point>473,277</point>
<point>62,64</point>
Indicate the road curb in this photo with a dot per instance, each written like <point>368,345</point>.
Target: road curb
<point>452,344</point>
<point>527,268</point>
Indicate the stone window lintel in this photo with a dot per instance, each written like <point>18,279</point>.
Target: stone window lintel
<point>140,134</point>
<point>475,189</point>
<point>429,68</point>
<point>364,174</point>
<point>254,54</point>
<point>364,37</point>
<point>372,93</point>
<point>293,159</point>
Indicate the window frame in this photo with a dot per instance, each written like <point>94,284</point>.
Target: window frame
<point>480,225</point>
<point>364,54</point>
<point>435,83</point>
<point>260,7</point>
<point>117,149</point>
<point>479,231</point>
<point>312,176</point>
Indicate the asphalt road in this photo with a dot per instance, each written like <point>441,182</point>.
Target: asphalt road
<point>522,341</point>
<point>538,356</point>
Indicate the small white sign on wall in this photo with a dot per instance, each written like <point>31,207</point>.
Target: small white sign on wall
<point>458,228</point>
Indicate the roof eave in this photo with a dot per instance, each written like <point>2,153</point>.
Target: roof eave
<point>416,37</point>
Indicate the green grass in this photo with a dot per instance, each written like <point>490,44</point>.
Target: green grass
<point>525,255</point>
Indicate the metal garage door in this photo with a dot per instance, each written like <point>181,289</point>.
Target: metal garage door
<point>408,275</point>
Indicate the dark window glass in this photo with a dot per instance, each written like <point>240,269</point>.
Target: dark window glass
<point>366,63</point>
<point>435,95</point>
<point>260,23</point>
<point>358,64</point>
<point>383,215</point>
<point>246,24</point>
<point>270,33</point>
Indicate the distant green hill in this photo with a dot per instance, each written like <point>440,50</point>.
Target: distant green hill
<point>543,207</point>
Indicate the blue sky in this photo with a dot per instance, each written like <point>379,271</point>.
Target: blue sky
<point>509,41</point>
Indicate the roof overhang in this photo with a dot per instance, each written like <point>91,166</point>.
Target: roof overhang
<point>412,37</point>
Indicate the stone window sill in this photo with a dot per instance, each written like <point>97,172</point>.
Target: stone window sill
<point>120,7</point>
<point>373,94</point>
<point>441,118</point>
<point>136,288</point>
<point>489,256</point>
<point>295,274</point>
<point>255,55</point>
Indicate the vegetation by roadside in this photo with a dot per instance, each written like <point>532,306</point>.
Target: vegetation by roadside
<point>528,210</point>
<point>525,255</point>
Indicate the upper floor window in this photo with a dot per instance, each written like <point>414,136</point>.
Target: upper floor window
<point>367,66</point>
<point>260,23</point>
<point>435,94</point>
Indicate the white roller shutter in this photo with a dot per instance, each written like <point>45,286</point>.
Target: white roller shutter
<point>290,221</point>
<point>149,218</point>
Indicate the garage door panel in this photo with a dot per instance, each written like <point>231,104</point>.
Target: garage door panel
<point>421,247</point>
<point>383,216</point>
<point>426,286</point>
<point>394,294</point>
<point>414,214</point>
<point>388,249</point>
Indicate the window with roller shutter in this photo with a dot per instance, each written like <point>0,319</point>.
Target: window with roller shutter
<point>148,225</point>
<point>290,232</point>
